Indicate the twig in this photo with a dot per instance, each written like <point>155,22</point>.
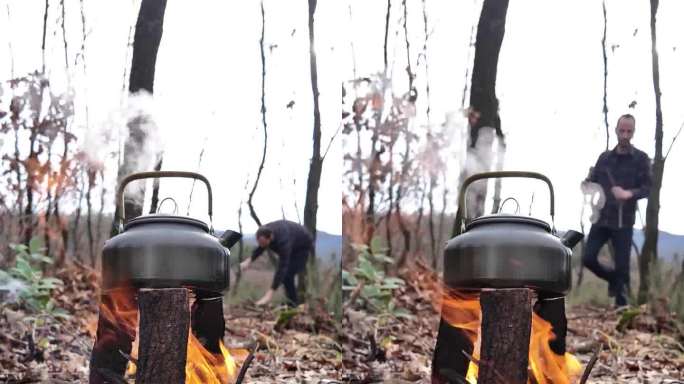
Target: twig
<point>590,365</point>
<point>246,364</point>
<point>332,138</point>
<point>673,140</point>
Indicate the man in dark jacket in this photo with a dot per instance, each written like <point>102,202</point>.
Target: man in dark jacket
<point>293,243</point>
<point>624,174</point>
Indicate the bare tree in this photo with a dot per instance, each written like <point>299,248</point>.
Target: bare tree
<point>484,106</point>
<point>605,75</point>
<point>316,164</point>
<point>649,250</point>
<point>252,212</point>
<point>148,34</point>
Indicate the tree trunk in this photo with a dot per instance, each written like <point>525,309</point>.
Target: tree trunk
<point>42,47</point>
<point>484,106</point>
<point>605,75</point>
<point>148,33</point>
<point>164,325</point>
<point>66,51</point>
<point>506,328</point>
<point>649,251</point>
<point>431,222</point>
<point>89,218</point>
<point>252,212</point>
<point>316,164</point>
<point>75,230</point>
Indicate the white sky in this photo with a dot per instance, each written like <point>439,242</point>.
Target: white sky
<point>207,93</point>
<point>550,85</point>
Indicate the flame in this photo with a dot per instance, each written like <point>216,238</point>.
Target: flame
<point>462,310</point>
<point>202,366</point>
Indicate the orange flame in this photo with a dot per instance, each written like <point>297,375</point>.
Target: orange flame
<point>201,365</point>
<point>463,311</point>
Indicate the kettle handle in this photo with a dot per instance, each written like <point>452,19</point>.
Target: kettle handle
<point>462,209</point>
<point>159,174</point>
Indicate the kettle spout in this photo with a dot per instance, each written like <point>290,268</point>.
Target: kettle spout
<point>229,238</point>
<point>571,238</point>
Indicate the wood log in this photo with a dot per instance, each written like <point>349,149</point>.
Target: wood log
<point>506,328</point>
<point>164,327</point>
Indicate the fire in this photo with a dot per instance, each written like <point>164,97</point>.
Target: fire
<point>462,310</point>
<point>204,367</point>
<point>201,365</point>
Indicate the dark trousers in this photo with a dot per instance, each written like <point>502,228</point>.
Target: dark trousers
<point>298,260</point>
<point>618,278</point>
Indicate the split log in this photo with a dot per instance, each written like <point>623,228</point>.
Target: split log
<point>164,327</point>
<point>506,328</point>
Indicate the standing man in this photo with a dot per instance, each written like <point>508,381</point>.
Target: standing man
<point>293,243</point>
<point>624,174</point>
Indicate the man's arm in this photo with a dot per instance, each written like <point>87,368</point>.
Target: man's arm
<point>643,180</point>
<point>283,264</point>
<point>256,253</point>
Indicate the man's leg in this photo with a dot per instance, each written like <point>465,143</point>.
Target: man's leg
<point>622,240</point>
<point>290,289</point>
<point>597,237</point>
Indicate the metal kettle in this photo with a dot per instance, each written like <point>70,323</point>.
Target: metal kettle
<point>508,251</point>
<point>166,251</point>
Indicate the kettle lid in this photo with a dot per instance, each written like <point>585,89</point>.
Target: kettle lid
<point>167,219</point>
<point>501,218</point>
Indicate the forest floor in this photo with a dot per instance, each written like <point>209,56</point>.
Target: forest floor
<point>297,346</point>
<point>640,345</point>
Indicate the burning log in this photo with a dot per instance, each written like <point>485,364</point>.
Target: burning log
<point>164,325</point>
<point>506,327</point>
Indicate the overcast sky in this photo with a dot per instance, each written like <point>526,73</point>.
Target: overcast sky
<point>207,95</point>
<point>550,85</point>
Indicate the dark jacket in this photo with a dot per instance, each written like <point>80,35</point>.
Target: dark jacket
<point>292,242</point>
<point>631,171</point>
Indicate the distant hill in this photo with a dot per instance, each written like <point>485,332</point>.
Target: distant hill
<point>328,246</point>
<point>668,244</point>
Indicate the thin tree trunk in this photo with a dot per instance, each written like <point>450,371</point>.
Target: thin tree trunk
<point>605,75</point>
<point>89,218</point>
<point>442,213</point>
<point>649,250</point>
<point>75,230</point>
<point>42,47</point>
<point>252,212</point>
<point>409,71</point>
<point>406,234</point>
<point>431,222</point>
<point>99,233</point>
<point>484,106</point>
<point>49,198</point>
<point>66,51</point>
<point>387,20</point>
<point>148,34</point>
<point>316,164</point>
<point>427,66</point>
<point>417,244</point>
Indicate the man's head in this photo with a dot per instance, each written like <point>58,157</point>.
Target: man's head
<point>264,236</point>
<point>624,130</point>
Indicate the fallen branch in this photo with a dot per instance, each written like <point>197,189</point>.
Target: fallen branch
<point>246,364</point>
<point>590,364</point>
